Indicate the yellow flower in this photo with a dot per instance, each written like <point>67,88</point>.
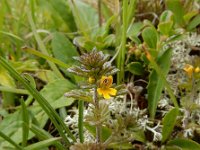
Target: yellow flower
<point>189,70</point>
<point>197,70</point>
<point>105,87</point>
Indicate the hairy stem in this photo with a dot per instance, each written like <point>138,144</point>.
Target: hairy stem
<point>98,126</point>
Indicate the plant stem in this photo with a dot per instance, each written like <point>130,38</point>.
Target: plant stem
<point>99,13</point>
<point>98,126</point>
<point>80,120</point>
<point>13,90</point>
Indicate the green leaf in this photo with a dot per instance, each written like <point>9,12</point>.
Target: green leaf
<point>62,48</point>
<point>156,83</point>
<point>150,37</point>
<point>25,118</point>
<point>65,13</point>
<point>194,23</point>
<point>169,122</point>
<point>177,8</point>
<point>30,79</point>
<point>135,68</point>
<point>187,17</point>
<point>166,16</point>
<point>6,79</point>
<point>86,16</point>
<point>165,27</point>
<point>54,97</point>
<point>26,65</point>
<point>134,29</point>
<point>184,144</point>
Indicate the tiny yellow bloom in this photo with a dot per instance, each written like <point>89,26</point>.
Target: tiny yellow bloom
<point>91,80</point>
<point>189,70</point>
<point>197,70</point>
<point>105,87</point>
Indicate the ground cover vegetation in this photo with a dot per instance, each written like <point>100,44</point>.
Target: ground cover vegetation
<point>99,74</point>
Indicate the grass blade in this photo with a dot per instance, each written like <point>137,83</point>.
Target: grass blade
<point>10,141</point>
<point>49,58</point>
<point>42,144</point>
<point>121,55</point>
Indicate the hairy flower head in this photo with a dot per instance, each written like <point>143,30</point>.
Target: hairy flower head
<point>105,87</point>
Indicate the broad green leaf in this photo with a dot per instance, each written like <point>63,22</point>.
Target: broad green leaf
<point>46,75</point>
<point>177,8</point>
<point>55,90</point>
<point>30,79</point>
<point>165,27</point>
<point>150,37</point>
<point>54,93</point>
<point>184,144</point>
<point>166,16</point>
<point>86,17</point>
<point>65,13</point>
<point>135,68</point>
<point>169,122</point>
<point>62,48</point>
<point>134,29</point>
<point>156,84</point>
<point>27,65</point>
<point>194,23</point>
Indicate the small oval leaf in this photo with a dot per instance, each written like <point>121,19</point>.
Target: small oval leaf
<point>169,122</point>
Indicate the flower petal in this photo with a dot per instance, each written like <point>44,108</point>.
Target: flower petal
<point>112,91</point>
<point>106,95</point>
<point>100,91</point>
